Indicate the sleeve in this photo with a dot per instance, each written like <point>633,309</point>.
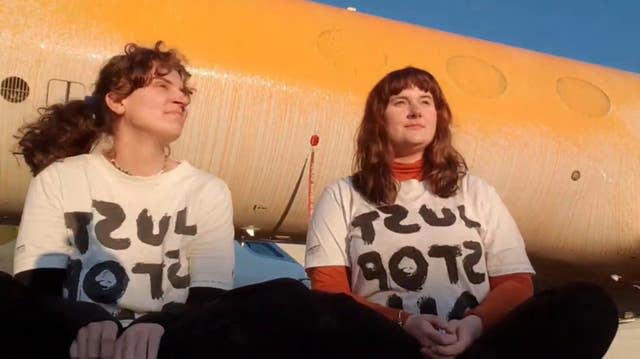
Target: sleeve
<point>77,314</point>
<point>46,281</point>
<point>327,232</point>
<point>172,313</point>
<point>334,279</point>
<point>42,240</point>
<point>211,253</point>
<point>30,306</point>
<point>507,292</point>
<point>504,246</point>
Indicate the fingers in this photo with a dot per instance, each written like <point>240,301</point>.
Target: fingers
<point>81,338</point>
<point>129,345</point>
<point>139,341</point>
<point>139,347</point>
<point>425,328</point>
<point>153,346</point>
<point>122,346</point>
<point>119,348</point>
<point>454,349</point>
<point>439,337</point>
<point>73,350</point>
<point>440,323</point>
<point>107,344</point>
<point>93,339</point>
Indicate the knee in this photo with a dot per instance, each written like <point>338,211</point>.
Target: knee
<point>288,284</point>
<point>269,290</point>
<point>589,296</point>
<point>591,303</point>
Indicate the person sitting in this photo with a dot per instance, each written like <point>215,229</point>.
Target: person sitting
<point>414,236</point>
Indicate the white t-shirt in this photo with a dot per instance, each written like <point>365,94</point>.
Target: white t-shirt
<point>424,254</point>
<point>131,244</point>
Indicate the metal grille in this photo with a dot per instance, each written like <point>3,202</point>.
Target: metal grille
<point>14,89</point>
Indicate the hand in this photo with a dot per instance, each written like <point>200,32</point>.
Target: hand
<point>95,340</point>
<point>467,331</point>
<point>139,341</point>
<point>430,330</point>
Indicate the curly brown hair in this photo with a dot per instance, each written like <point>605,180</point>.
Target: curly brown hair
<point>72,128</point>
<point>443,165</point>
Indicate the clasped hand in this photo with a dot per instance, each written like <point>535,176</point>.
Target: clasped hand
<point>441,339</point>
<point>99,340</point>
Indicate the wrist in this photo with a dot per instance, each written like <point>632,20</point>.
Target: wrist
<point>402,318</point>
<point>474,323</point>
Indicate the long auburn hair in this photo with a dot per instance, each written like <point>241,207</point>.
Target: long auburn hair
<point>73,128</point>
<point>443,165</point>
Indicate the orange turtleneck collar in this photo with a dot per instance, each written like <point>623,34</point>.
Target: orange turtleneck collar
<point>407,171</point>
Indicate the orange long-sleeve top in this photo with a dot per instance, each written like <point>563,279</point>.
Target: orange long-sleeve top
<point>506,291</point>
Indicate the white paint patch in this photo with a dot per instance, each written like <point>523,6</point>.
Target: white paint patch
<point>408,266</point>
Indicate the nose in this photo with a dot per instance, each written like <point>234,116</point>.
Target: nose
<point>414,113</point>
<point>182,99</point>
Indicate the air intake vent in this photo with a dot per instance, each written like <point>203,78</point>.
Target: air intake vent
<point>14,89</point>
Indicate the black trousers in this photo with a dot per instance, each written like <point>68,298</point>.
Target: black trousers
<point>29,326</point>
<point>578,320</point>
<point>283,319</point>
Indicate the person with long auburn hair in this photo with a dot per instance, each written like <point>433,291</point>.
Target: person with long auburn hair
<point>415,237</point>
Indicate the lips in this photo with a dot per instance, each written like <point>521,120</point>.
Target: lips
<point>414,127</point>
<point>176,113</point>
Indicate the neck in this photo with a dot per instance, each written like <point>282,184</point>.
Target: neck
<point>407,171</point>
<point>139,156</point>
<point>408,158</point>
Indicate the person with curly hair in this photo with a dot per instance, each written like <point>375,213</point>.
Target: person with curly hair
<point>108,236</point>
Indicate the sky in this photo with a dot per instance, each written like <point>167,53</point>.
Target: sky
<point>596,31</point>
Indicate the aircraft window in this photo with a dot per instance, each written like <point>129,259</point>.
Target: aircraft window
<point>476,76</point>
<point>14,89</point>
<point>583,97</point>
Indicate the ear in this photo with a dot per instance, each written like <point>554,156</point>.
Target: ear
<point>116,106</point>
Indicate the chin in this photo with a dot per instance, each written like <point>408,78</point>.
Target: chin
<point>170,135</point>
<point>172,138</point>
<point>413,142</point>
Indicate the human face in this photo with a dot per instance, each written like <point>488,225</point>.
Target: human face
<point>158,110</point>
<point>410,121</point>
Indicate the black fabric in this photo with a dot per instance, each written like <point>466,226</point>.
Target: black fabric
<point>199,296</point>
<point>47,281</point>
<point>284,319</point>
<point>169,314</point>
<point>578,320</point>
<point>172,312</point>
<point>40,326</point>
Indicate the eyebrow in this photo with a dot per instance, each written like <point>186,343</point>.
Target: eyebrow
<point>181,85</point>
<point>162,79</point>
<point>395,97</point>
